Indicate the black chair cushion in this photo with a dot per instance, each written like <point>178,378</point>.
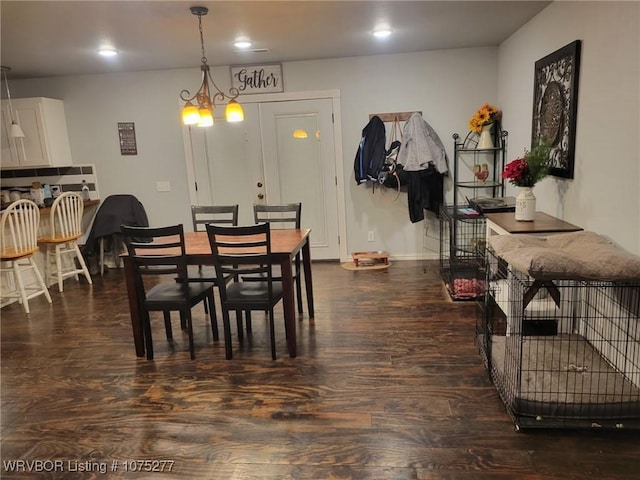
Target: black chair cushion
<point>252,292</point>
<point>164,293</point>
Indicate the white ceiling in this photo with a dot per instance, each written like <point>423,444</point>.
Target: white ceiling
<point>51,38</point>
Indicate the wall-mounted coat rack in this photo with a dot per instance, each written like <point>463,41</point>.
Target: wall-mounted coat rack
<point>392,117</point>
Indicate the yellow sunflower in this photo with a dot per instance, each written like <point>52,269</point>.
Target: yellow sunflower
<point>486,114</point>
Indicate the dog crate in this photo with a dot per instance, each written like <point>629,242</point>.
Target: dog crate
<point>562,353</point>
<point>462,245</point>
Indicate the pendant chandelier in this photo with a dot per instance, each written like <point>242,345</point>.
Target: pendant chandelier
<point>201,113</point>
<point>14,130</point>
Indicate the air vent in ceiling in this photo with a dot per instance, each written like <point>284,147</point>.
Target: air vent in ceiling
<point>253,50</point>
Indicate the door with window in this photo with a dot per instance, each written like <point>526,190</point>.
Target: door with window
<point>284,152</point>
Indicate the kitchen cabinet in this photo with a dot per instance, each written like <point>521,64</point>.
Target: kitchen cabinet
<point>46,140</point>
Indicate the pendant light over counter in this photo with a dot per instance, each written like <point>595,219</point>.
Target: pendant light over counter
<point>14,130</point>
<point>200,113</point>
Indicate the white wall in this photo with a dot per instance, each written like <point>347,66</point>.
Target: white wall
<point>604,196</point>
<point>447,86</point>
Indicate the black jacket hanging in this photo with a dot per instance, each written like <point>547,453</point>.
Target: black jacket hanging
<point>371,152</point>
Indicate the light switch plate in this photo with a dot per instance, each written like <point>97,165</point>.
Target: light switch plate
<point>163,186</point>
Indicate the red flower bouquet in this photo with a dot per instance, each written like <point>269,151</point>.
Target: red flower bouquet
<point>530,169</point>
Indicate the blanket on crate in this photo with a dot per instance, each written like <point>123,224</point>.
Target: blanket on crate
<point>569,256</point>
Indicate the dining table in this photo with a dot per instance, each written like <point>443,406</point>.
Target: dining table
<point>285,245</point>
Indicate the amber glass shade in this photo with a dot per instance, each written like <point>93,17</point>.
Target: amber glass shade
<point>206,117</point>
<point>190,115</point>
<point>234,112</point>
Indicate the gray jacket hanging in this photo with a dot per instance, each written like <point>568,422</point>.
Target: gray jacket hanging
<point>421,145</point>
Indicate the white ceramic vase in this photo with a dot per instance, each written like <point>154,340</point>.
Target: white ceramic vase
<point>485,140</point>
<point>525,205</point>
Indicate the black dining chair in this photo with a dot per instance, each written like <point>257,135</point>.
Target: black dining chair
<point>201,215</point>
<point>283,216</point>
<point>239,252</point>
<point>158,257</point>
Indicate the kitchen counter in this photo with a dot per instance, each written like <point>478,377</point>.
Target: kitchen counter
<point>47,210</point>
<point>87,203</point>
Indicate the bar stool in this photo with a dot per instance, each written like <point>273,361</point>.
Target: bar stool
<point>62,241</point>
<point>18,243</point>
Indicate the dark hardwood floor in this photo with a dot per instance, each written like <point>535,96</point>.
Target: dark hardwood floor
<point>388,384</point>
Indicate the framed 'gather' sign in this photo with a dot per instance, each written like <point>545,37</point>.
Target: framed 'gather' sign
<point>250,79</point>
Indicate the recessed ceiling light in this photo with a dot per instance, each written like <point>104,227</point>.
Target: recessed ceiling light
<point>242,44</point>
<point>382,32</point>
<point>107,52</point>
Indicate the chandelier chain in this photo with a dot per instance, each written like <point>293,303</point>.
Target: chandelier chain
<point>204,57</point>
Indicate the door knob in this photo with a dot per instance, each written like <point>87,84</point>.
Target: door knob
<point>260,196</point>
<point>259,184</point>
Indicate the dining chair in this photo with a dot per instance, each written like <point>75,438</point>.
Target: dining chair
<point>283,216</point>
<point>18,242</point>
<point>201,215</point>
<point>158,258</point>
<point>61,241</point>
<point>238,252</point>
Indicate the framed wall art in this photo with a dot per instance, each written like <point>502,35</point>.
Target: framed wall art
<point>555,105</point>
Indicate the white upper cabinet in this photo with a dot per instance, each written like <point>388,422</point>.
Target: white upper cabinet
<point>46,140</point>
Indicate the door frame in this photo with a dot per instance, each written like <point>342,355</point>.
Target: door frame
<point>334,96</point>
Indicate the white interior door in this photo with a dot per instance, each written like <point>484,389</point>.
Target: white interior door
<point>227,163</point>
<point>299,166</point>
<point>260,161</point>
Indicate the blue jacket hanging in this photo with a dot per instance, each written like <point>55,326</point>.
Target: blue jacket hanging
<point>371,152</point>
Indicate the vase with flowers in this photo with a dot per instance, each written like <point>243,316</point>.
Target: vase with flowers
<point>524,173</point>
<point>482,122</point>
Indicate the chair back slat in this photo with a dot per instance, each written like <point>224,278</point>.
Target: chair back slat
<point>19,228</point>
<point>279,216</point>
<point>202,215</point>
<point>66,215</point>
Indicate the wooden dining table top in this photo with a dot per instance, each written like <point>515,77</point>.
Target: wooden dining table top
<point>283,241</point>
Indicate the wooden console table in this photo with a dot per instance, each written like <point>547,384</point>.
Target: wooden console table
<point>505,223</point>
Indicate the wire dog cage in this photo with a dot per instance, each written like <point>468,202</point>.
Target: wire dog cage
<point>462,245</point>
<point>562,353</point>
